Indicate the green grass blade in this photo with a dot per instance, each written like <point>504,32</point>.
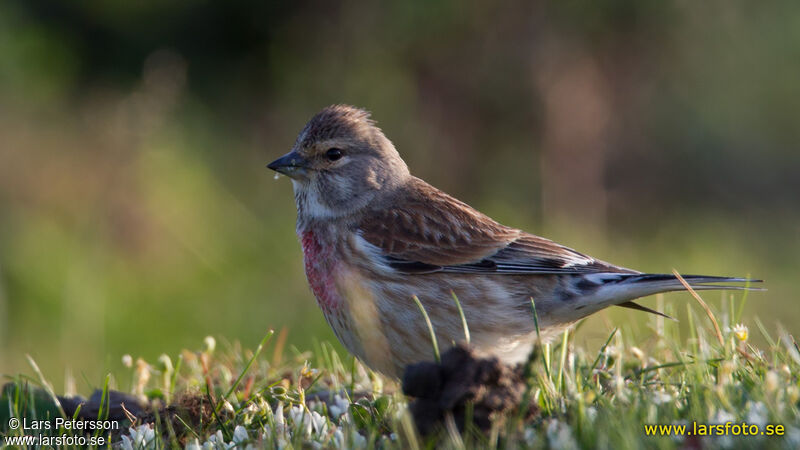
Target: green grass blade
<point>563,361</point>
<point>246,368</point>
<point>536,320</point>
<point>430,329</point>
<point>463,318</point>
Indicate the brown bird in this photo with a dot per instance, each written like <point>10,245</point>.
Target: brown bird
<point>374,237</point>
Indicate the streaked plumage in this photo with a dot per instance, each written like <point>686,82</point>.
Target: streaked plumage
<point>374,236</point>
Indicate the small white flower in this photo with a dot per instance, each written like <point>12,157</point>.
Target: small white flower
<point>148,436</point>
<point>282,442</point>
<point>165,362</point>
<point>771,381</point>
<point>530,437</point>
<point>296,413</point>
<point>345,419</point>
<point>126,443</point>
<point>142,376</point>
<point>358,440</point>
<point>793,394</point>
<point>280,421</point>
<point>591,413</point>
<point>722,417</point>
<point>300,419</point>
<point>251,408</point>
<point>193,445</point>
<point>210,343</point>
<point>741,332</point>
<point>239,434</point>
<point>612,351</point>
<point>661,397</point>
<point>726,370</point>
<point>217,442</point>
<point>338,438</point>
<point>559,435</point>
<point>339,406</point>
<point>757,413</point>
<point>335,411</point>
<point>127,361</point>
<point>320,423</point>
<point>141,437</point>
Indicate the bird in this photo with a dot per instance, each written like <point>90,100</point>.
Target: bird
<point>386,253</point>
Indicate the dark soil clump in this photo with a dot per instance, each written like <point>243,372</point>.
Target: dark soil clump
<point>462,380</point>
<point>192,408</point>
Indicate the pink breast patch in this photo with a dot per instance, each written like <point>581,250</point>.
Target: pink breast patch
<point>320,267</point>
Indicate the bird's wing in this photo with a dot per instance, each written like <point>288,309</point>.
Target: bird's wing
<point>426,230</point>
<point>531,254</point>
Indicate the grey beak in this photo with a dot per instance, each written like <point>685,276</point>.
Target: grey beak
<point>290,164</point>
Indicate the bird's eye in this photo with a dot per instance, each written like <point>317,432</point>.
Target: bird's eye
<point>333,154</point>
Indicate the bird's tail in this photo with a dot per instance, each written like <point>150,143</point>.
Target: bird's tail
<point>654,283</point>
<point>621,289</point>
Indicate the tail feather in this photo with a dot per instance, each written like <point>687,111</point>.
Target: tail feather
<point>621,289</point>
<point>691,279</point>
<point>720,287</point>
<point>639,307</point>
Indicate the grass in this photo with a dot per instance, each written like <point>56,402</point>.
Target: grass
<point>604,397</point>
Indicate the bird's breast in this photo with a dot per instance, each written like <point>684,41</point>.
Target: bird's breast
<point>321,271</point>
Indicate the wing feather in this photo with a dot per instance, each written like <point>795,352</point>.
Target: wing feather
<point>425,230</point>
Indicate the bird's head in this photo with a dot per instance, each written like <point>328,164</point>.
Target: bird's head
<point>340,163</point>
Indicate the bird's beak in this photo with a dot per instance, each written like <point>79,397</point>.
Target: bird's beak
<point>291,164</point>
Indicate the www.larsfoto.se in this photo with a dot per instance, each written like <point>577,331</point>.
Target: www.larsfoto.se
<point>31,441</point>
<point>722,429</point>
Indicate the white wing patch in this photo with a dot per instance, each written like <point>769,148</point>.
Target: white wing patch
<point>602,277</point>
<point>372,253</point>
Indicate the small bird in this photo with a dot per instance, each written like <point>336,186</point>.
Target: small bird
<point>376,239</point>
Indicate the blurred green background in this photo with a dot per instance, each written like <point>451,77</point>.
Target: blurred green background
<point>136,214</point>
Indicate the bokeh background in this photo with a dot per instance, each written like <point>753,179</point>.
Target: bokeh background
<point>136,214</point>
